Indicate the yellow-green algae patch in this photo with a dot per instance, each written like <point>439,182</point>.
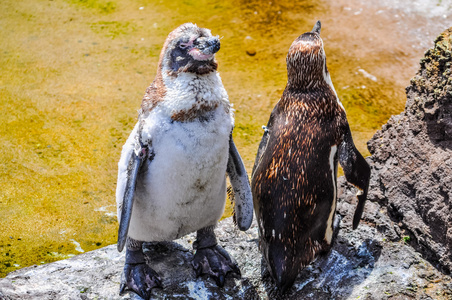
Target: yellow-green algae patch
<point>72,75</point>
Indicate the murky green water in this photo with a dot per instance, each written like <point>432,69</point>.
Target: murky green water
<point>72,75</point>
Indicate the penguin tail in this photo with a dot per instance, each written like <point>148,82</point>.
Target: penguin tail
<point>282,269</point>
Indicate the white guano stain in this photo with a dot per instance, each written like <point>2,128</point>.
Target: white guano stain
<point>77,246</point>
<point>367,75</point>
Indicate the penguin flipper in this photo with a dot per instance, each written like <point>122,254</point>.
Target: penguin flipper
<point>127,204</point>
<point>243,206</point>
<point>357,172</point>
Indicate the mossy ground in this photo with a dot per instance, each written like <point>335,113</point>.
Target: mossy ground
<point>72,75</point>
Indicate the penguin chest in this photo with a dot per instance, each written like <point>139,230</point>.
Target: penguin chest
<point>183,188</point>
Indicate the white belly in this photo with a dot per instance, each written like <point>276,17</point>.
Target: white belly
<point>183,188</point>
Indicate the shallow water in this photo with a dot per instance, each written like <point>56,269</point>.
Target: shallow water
<point>72,74</point>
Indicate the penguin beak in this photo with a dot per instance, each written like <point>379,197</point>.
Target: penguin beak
<point>317,27</point>
<point>213,44</point>
<point>205,48</point>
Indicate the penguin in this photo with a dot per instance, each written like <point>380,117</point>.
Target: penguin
<point>173,167</point>
<point>294,178</point>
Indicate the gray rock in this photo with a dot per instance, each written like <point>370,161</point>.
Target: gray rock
<point>412,159</point>
<point>363,263</point>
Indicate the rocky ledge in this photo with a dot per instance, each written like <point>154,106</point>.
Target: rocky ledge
<point>412,159</point>
<point>401,250</point>
<point>363,264</point>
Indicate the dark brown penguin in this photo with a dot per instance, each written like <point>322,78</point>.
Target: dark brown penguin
<point>295,172</point>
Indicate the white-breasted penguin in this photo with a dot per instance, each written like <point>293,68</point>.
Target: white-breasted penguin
<point>294,175</point>
<point>173,166</point>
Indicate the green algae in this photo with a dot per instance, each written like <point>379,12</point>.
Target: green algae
<point>72,74</point>
<point>112,28</point>
<point>105,7</point>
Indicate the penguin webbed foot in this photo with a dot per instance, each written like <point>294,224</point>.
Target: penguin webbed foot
<point>215,262</point>
<point>137,276</point>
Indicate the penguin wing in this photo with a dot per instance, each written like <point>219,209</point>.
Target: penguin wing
<point>243,206</point>
<point>127,202</point>
<point>356,170</point>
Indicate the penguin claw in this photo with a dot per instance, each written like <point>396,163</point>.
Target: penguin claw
<point>215,262</point>
<point>122,289</point>
<point>220,280</point>
<point>140,279</point>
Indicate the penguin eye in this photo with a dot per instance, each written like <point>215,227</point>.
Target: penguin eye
<point>183,45</point>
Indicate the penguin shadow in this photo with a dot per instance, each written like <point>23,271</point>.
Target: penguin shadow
<point>332,275</point>
<point>173,262</point>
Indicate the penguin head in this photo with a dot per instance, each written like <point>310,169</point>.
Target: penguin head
<point>190,49</point>
<point>306,60</point>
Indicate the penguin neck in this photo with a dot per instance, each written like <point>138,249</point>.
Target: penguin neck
<point>305,75</point>
<point>189,95</point>
<point>154,94</point>
<point>193,87</point>
<point>305,83</point>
